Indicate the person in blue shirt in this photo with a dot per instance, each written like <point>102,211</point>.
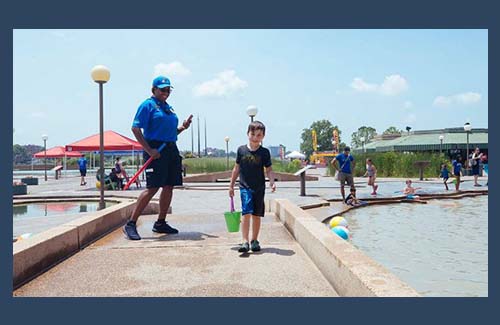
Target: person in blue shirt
<point>82,165</point>
<point>445,174</point>
<point>156,123</point>
<point>342,163</point>
<point>457,171</point>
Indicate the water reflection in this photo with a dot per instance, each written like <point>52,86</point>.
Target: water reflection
<point>46,209</point>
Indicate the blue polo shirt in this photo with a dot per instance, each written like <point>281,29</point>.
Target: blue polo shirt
<point>457,167</point>
<point>157,120</point>
<point>341,158</point>
<point>82,163</point>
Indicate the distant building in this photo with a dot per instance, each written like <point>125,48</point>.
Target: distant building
<point>277,151</point>
<point>454,141</point>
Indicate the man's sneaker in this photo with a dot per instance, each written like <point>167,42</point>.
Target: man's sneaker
<point>254,245</point>
<point>164,228</point>
<point>130,230</point>
<point>244,248</point>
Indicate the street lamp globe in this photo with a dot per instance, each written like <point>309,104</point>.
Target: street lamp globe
<point>441,137</point>
<point>45,137</point>
<point>227,139</point>
<point>252,111</point>
<point>467,127</point>
<point>100,74</point>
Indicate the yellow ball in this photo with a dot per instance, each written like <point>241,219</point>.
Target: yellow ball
<point>98,184</point>
<point>338,221</point>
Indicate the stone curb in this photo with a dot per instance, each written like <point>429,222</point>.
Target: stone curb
<point>37,254</point>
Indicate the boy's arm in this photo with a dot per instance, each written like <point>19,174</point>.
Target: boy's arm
<point>270,175</point>
<point>234,175</point>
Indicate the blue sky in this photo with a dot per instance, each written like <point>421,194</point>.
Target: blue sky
<point>426,79</point>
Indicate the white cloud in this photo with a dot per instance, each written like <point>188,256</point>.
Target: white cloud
<point>173,69</point>
<point>226,83</point>
<point>391,86</point>
<point>457,99</point>
<point>408,104</point>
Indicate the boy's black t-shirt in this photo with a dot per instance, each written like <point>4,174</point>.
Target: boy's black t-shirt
<point>252,165</point>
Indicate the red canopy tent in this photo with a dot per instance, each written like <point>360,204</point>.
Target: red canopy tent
<point>112,142</point>
<point>57,152</point>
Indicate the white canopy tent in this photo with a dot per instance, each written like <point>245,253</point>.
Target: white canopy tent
<point>295,155</point>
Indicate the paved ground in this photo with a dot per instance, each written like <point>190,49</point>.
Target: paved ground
<point>202,259</point>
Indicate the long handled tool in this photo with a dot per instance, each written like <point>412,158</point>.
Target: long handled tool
<point>146,164</point>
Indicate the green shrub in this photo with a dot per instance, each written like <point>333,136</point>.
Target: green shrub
<point>398,164</point>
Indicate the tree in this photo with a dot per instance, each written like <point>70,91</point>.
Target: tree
<point>324,134</point>
<point>393,130</point>
<point>365,131</point>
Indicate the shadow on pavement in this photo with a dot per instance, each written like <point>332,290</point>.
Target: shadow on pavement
<point>267,250</point>
<point>189,235</point>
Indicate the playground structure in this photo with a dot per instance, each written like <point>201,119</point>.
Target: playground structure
<point>321,157</point>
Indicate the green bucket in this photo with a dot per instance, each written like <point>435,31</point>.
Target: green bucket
<point>233,219</point>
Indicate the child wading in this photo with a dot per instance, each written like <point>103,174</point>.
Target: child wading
<point>371,172</point>
<point>457,172</point>
<point>251,159</point>
<point>445,174</point>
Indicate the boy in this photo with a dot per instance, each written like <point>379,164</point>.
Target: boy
<point>251,159</point>
<point>457,171</point>
<point>445,174</point>
<point>352,200</point>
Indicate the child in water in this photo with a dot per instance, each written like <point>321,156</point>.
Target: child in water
<point>352,200</point>
<point>371,172</point>
<point>410,191</point>
<point>445,174</point>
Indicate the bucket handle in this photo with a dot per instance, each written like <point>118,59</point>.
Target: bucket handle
<point>232,204</point>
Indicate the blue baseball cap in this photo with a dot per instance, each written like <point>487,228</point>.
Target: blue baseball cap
<point>161,82</point>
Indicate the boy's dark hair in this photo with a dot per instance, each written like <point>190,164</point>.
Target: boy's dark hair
<point>369,159</point>
<point>256,125</point>
<point>353,189</point>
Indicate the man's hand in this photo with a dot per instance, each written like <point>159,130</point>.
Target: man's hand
<point>231,191</point>
<point>273,186</point>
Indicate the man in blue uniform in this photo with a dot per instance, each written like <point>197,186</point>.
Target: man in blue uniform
<point>156,123</point>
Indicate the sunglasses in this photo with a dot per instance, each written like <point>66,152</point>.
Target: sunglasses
<point>165,90</point>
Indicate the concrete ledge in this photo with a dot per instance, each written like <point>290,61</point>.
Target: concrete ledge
<point>213,177</point>
<point>349,271</point>
<point>40,252</point>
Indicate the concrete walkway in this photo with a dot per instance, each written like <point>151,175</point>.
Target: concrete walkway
<point>202,260</point>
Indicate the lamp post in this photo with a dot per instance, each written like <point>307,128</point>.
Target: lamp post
<point>441,138</point>
<point>467,129</point>
<point>227,151</point>
<point>252,111</point>
<point>362,139</point>
<point>44,138</point>
<point>100,74</point>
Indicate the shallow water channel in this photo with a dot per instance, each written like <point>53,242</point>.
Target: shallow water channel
<point>36,217</point>
<point>439,248</point>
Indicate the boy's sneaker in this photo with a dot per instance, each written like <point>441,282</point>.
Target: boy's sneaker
<point>130,230</point>
<point>164,228</point>
<point>254,245</point>
<point>244,248</point>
